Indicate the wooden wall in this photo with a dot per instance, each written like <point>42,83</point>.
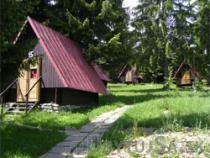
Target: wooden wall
<point>66,96</point>
<point>49,76</point>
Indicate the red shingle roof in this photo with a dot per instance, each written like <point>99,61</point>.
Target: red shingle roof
<point>67,60</point>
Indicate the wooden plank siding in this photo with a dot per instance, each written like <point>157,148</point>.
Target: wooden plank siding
<point>28,80</point>
<point>66,96</point>
<point>49,76</point>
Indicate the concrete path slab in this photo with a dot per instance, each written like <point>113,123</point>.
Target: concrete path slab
<point>78,142</point>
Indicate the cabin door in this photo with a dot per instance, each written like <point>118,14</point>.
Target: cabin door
<point>27,81</point>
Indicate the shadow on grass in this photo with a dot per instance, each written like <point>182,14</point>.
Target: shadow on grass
<point>113,99</point>
<point>152,90</point>
<point>142,95</point>
<point>53,121</point>
<point>23,142</point>
<point>193,120</point>
<point>131,99</point>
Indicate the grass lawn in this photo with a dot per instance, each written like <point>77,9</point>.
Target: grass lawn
<point>20,142</point>
<point>152,107</point>
<point>165,111</point>
<point>58,121</point>
<point>16,141</point>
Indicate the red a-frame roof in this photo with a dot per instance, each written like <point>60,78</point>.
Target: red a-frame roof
<point>190,66</point>
<point>66,58</point>
<point>103,76</point>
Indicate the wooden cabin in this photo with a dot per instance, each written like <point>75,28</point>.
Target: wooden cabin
<point>185,75</point>
<point>129,74</point>
<point>59,73</point>
<point>101,73</point>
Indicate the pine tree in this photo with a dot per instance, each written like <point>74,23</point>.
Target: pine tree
<point>12,15</point>
<point>152,25</point>
<point>100,27</point>
<point>165,35</point>
<point>202,35</point>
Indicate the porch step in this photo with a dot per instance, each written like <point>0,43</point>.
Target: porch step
<point>18,107</point>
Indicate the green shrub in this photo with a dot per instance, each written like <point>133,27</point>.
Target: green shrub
<point>199,85</point>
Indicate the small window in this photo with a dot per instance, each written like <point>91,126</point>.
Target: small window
<point>33,73</point>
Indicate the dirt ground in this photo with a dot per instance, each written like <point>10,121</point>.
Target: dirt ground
<point>189,144</point>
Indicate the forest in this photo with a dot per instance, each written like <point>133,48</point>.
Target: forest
<point>158,35</point>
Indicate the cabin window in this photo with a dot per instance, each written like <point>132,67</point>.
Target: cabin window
<point>33,73</point>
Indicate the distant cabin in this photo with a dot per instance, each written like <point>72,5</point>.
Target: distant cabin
<point>101,73</point>
<point>129,74</point>
<point>185,75</point>
<point>59,73</point>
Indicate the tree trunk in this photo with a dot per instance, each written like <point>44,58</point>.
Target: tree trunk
<point>1,98</point>
<point>208,51</point>
<point>0,74</point>
<point>166,74</point>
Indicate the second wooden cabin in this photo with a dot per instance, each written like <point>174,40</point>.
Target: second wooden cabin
<point>101,73</point>
<point>185,75</point>
<point>129,74</point>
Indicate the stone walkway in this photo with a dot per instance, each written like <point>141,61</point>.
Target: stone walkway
<point>78,142</point>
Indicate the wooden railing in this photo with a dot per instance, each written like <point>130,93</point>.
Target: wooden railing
<point>8,87</point>
<point>26,95</point>
<point>4,91</point>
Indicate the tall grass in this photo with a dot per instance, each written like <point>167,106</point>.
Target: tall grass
<point>58,121</point>
<point>152,107</point>
<point>164,111</point>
